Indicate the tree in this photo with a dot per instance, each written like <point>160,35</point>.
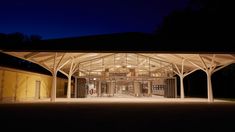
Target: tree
<point>17,40</point>
<point>201,20</point>
<point>34,38</point>
<point>16,37</point>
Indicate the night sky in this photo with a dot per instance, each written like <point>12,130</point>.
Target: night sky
<point>69,18</point>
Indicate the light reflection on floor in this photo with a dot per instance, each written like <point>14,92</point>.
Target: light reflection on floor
<point>125,99</point>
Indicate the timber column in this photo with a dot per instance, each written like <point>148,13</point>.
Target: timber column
<point>149,88</point>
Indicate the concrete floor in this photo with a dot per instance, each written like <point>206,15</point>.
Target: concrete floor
<point>119,115</point>
<point>122,99</point>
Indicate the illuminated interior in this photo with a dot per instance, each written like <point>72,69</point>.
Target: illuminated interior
<point>130,74</point>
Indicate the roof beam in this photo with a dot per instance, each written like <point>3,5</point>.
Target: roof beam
<point>164,67</point>
<point>196,65</point>
<point>97,58</point>
<point>178,56</point>
<point>186,74</point>
<point>31,54</point>
<point>63,72</point>
<point>61,58</point>
<point>177,68</point>
<point>203,63</point>
<point>217,69</point>
<point>47,59</point>
<point>42,65</point>
<point>152,58</point>
<point>210,59</point>
<point>59,67</point>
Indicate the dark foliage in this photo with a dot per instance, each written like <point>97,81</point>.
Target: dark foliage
<point>204,23</point>
<point>18,39</point>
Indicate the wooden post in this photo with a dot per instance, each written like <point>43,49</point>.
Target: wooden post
<point>53,89</point>
<point>209,88</point>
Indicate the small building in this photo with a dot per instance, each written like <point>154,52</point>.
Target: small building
<point>19,85</point>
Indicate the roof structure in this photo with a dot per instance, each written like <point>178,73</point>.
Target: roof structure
<point>101,61</point>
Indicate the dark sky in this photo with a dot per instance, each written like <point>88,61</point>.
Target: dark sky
<point>68,18</point>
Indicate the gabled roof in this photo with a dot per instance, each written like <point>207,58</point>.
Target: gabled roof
<point>68,60</point>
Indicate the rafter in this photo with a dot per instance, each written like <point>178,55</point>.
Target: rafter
<point>31,54</point>
<point>152,58</point>
<point>210,59</point>
<point>96,58</point>
<point>177,69</point>
<point>203,62</point>
<point>47,59</point>
<point>221,67</point>
<point>196,65</point>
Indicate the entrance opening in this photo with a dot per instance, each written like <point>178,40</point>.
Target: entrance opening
<point>37,89</point>
<point>126,75</point>
<point>132,87</point>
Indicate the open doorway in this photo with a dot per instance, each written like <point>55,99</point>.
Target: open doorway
<point>37,89</point>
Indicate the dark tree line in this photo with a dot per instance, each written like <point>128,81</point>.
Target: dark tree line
<point>202,19</point>
<point>18,37</point>
<point>202,22</point>
<point>18,41</point>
